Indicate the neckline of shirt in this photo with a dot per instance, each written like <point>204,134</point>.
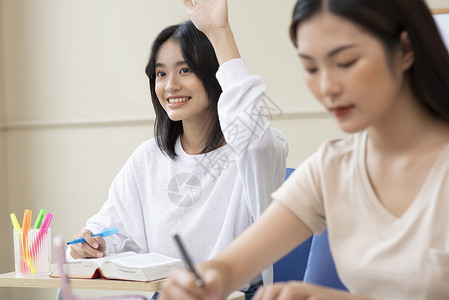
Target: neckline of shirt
<point>184,155</point>
<point>418,202</point>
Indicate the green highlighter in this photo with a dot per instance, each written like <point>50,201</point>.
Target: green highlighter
<point>40,218</point>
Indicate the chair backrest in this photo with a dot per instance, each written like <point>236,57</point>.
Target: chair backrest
<point>293,265</point>
<point>310,262</point>
<point>320,266</point>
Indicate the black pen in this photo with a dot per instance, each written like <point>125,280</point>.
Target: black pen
<point>199,281</point>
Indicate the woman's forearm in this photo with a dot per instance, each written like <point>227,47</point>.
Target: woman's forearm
<point>224,44</point>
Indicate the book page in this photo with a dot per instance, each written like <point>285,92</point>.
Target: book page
<point>144,260</point>
<point>142,267</point>
<point>99,260</point>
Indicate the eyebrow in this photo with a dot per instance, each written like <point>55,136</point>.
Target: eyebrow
<point>177,64</point>
<point>331,53</point>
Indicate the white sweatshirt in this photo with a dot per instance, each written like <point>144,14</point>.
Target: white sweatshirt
<point>209,199</point>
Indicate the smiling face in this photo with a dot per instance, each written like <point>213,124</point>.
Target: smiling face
<point>180,92</point>
<point>349,73</point>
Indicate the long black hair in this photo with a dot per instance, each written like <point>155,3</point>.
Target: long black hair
<point>200,56</point>
<point>387,19</point>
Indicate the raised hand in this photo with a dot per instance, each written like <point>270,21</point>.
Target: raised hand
<point>211,17</point>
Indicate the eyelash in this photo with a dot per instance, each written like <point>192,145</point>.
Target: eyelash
<point>311,70</point>
<point>348,64</point>
<point>185,69</point>
<point>182,71</point>
<point>341,65</point>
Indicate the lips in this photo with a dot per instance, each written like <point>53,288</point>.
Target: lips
<point>340,111</point>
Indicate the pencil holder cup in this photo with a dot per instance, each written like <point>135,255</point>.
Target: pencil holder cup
<point>32,252</point>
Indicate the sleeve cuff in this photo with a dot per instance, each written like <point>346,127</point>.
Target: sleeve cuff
<point>232,71</point>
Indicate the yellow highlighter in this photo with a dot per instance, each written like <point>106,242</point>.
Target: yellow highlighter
<point>15,222</point>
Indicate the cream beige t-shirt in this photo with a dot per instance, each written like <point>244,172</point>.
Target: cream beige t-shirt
<point>376,254</point>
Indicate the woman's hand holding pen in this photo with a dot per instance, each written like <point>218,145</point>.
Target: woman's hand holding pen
<point>181,283</point>
<point>93,247</point>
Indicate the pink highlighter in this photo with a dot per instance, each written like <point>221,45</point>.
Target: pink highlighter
<point>35,247</point>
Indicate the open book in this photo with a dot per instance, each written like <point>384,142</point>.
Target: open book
<point>123,266</point>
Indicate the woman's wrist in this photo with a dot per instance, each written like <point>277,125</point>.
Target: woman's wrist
<point>222,39</point>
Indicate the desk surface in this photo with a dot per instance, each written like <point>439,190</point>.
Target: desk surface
<point>45,281</point>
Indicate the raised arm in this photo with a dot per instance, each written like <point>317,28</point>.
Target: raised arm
<point>211,17</point>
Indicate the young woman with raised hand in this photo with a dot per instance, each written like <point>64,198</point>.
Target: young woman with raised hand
<point>382,70</point>
<point>212,166</point>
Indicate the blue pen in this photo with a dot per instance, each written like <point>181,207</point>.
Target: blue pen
<point>106,232</point>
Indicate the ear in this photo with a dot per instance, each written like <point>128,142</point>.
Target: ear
<point>407,56</point>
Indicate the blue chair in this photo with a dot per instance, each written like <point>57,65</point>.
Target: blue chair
<point>293,265</point>
<point>310,262</point>
<point>320,266</point>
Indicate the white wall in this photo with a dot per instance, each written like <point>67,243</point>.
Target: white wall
<point>436,4</point>
<point>75,100</point>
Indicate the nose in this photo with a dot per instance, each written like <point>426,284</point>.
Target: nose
<point>173,83</point>
<point>330,85</point>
